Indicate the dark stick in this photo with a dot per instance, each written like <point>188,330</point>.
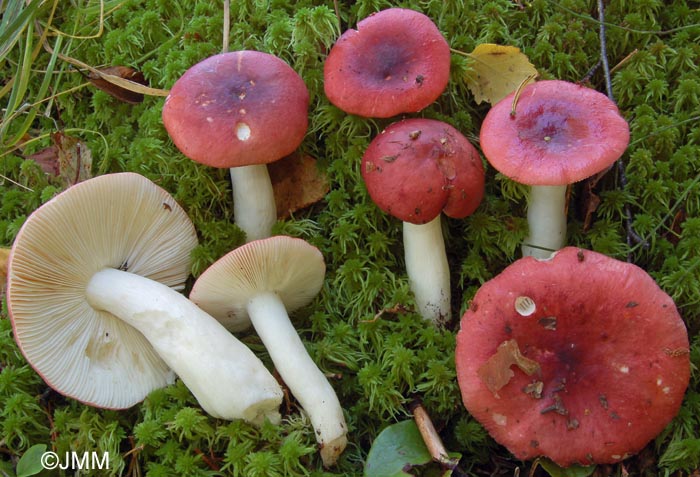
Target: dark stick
<point>631,234</point>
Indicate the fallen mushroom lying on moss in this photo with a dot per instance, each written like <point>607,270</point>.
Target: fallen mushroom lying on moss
<point>258,284</point>
<point>601,358</point>
<point>92,296</point>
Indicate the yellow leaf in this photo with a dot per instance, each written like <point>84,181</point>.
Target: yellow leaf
<point>497,71</point>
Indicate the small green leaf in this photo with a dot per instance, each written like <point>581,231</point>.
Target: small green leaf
<point>574,471</point>
<point>396,450</point>
<point>30,462</point>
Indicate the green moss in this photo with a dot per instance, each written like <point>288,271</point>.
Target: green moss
<point>362,329</point>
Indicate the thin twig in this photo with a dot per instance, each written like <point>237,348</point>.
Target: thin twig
<point>590,72</point>
<point>336,7</point>
<point>604,50</point>
<point>430,436</point>
<point>227,25</point>
<point>631,235</point>
<point>623,61</point>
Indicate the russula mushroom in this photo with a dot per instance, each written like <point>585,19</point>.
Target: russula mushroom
<point>580,358</point>
<point>92,296</point>
<point>260,283</point>
<point>554,133</point>
<point>414,170</point>
<point>396,61</point>
<point>240,110</point>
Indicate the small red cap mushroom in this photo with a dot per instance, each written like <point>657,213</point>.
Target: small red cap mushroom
<point>417,168</point>
<point>397,61</point>
<point>580,358</point>
<point>236,109</point>
<point>560,133</point>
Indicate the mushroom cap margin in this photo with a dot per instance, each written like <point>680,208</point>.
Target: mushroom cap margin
<point>561,133</point>
<point>118,220</point>
<point>290,267</point>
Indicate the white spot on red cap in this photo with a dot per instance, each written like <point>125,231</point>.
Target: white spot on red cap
<point>242,131</point>
<point>525,306</point>
<point>499,419</point>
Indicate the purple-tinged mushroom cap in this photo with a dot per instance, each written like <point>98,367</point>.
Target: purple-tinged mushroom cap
<point>396,61</point>
<point>580,358</point>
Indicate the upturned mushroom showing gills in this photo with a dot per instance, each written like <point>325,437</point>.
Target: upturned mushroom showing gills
<point>580,358</point>
<point>260,283</point>
<point>396,61</point>
<point>240,110</point>
<point>92,297</point>
<point>414,170</point>
<point>553,134</point>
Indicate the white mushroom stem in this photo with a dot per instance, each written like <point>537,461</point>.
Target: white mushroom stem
<point>427,269</point>
<point>546,217</point>
<point>227,379</point>
<point>306,382</point>
<point>254,206</point>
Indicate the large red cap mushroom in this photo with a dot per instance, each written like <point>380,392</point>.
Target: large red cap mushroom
<point>415,169</point>
<point>237,109</point>
<point>580,358</point>
<point>240,110</point>
<point>553,134</point>
<point>396,61</point>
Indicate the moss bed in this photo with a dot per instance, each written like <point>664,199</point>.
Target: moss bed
<point>361,329</point>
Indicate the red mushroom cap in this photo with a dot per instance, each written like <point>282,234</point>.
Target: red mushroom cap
<point>397,61</point>
<point>236,109</point>
<point>416,168</point>
<point>606,349</point>
<point>561,133</point>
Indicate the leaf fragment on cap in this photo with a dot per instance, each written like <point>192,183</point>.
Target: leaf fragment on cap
<point>496,372</point>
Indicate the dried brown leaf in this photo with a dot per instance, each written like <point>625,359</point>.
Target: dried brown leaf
<point>297,183</point>
<point>107,80</point>
<point>47,159</point>
<point>74,159</point>
<point>589,199</point>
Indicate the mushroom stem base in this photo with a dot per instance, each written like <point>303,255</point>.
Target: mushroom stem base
<point>546,217</point>
<point>254,206</point>
<point>427,269</point>
<point>306,382</point>
<point>227,379</point>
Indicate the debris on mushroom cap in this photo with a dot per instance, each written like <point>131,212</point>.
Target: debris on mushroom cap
<point>236,109</point>
<point>397,61</point>
<point>88,355</point>
<point>554,133</point>
<point>290,267</point>
<point>613,368</point>
<point>417,168</point>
